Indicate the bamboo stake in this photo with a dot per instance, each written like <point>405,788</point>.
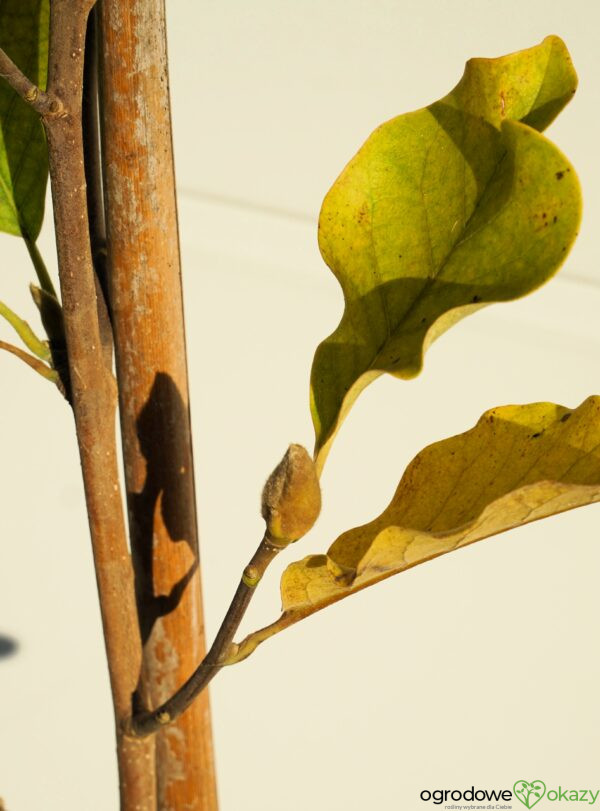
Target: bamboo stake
<point>147,315</point>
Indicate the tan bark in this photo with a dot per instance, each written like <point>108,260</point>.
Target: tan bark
<point>147,313</point>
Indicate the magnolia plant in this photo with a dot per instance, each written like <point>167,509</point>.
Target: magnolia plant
<point>441,212</point>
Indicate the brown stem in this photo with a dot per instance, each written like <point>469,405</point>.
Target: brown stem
<point>93,389</point>
<point>44,103</point>
<point>144,723</point>
<point>147,315</point>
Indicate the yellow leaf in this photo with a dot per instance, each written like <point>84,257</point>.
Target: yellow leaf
<point>518,464</point>
<point>442,211</point>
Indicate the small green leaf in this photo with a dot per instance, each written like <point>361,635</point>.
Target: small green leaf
<point>518,464</point>
<point>442,211</point>
<point>23,155</point>
<point>47,372</point>
<point>25,333</point>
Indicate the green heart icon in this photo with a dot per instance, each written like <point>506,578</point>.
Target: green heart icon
<point>529,793</point>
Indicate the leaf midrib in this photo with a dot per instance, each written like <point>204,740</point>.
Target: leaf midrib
<point>431,280</point>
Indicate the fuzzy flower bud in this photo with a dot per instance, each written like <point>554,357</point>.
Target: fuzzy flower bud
<point>291,499</point>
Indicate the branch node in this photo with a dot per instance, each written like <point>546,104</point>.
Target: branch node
<point>56,109</point>
<point>32,94</point>
<point>251,576</point>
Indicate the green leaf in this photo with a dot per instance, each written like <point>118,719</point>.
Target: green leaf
<point>47,372</point>
<point>25,333</point>
<point>24,28</point>
<point>442,211</point>
<point>517,465</point>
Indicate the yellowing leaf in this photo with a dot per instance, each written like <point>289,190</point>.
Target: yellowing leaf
<point>443,210</point>
<point>518,464</point>
<point>24,28</point>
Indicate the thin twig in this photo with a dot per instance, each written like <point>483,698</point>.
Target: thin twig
<point>43,103</point>
<point>144,723</point>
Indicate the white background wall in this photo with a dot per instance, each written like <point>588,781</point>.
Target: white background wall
<point>478,668</point>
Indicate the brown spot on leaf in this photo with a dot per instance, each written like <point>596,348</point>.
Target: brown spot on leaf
<point>362,214</point>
